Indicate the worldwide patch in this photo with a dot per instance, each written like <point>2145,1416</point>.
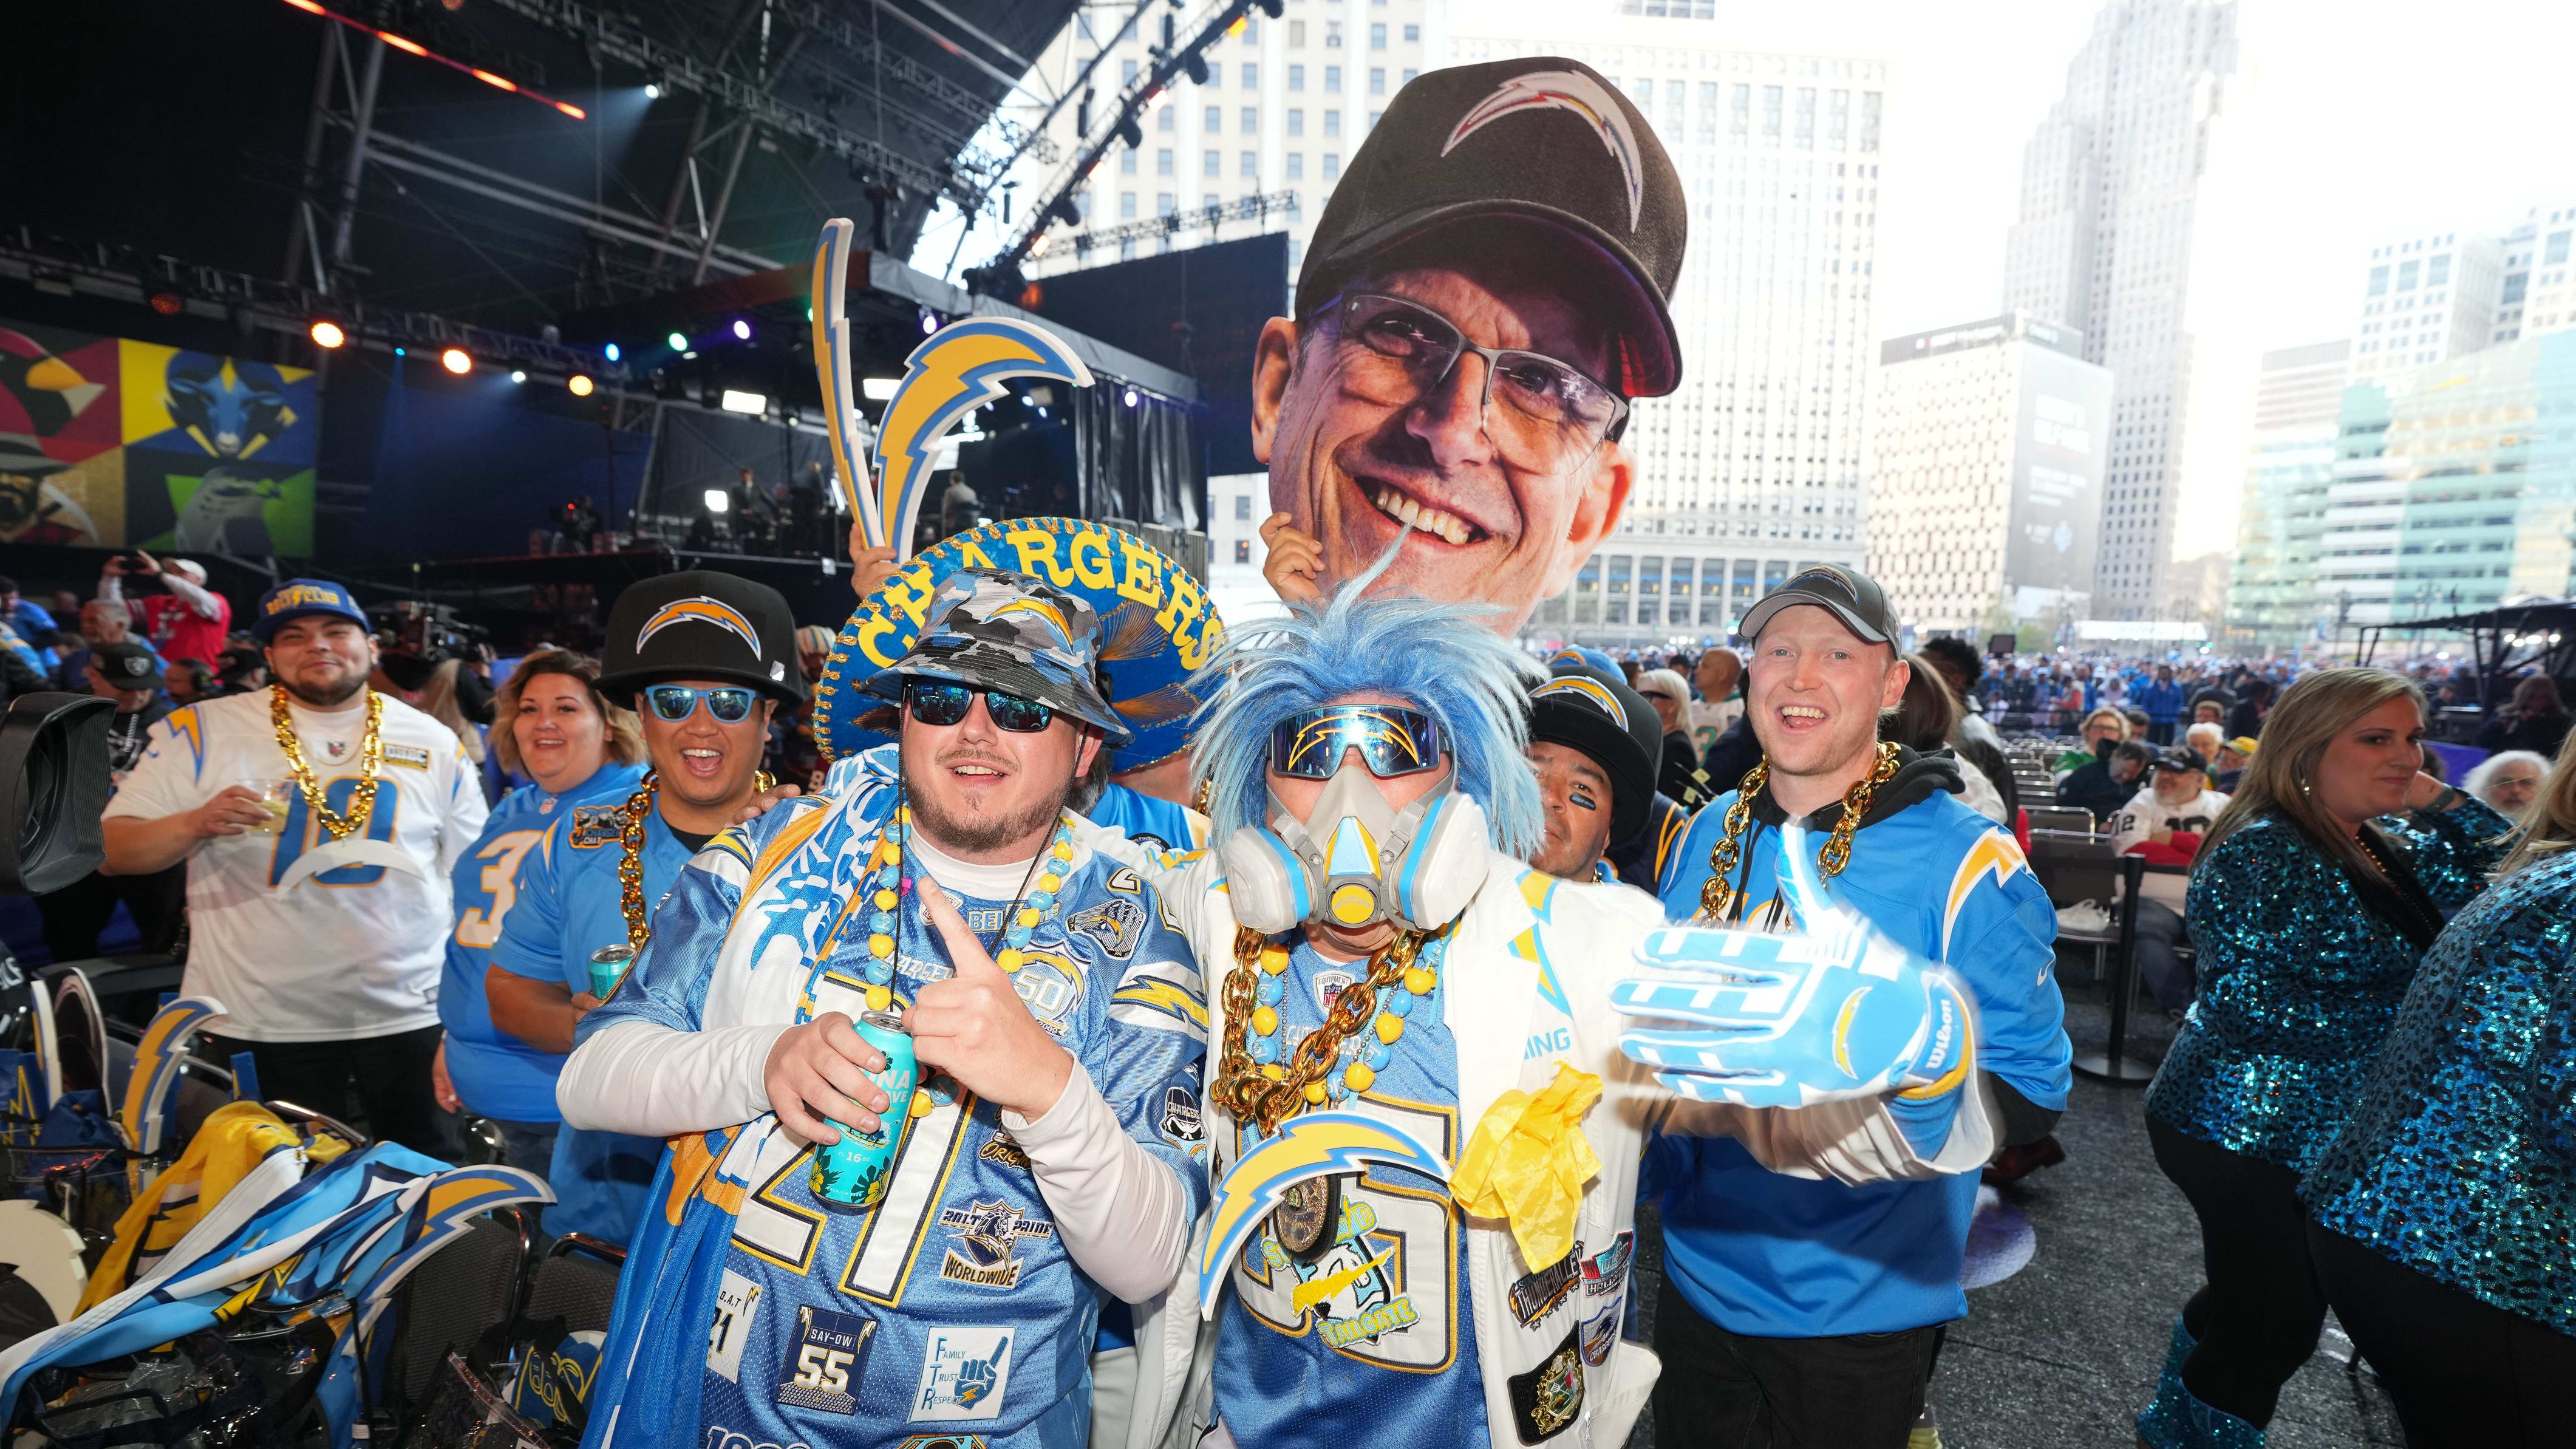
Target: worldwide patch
<point>1547,1398</point>
<point>1537,1295</point>
<point>829,1346</point>
<point>1606,1270</point>
<point>1181,1122</point>
<point>1117,924</point>
<point>1600,1332</point>
<point>410,757</point>
<point>984,1251</point>
<point>594,826</point>
<point>964,1373</point>
<point>737,1298</point>
<point>1004,1151</point>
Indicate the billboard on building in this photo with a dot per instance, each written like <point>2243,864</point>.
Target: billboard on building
<point>2064,417</point>
<point>114,443</point>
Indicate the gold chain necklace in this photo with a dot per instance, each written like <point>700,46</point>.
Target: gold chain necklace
<point>1265,1096</point>
<point>630,865</point>
<point>1718,899</point>
<point>371,758</point>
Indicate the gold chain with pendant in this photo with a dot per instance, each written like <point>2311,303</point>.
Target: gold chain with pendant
<point>1265,1096</point>
<point>1717,897</point>
<point>630,865</point>
<point>371,759</point>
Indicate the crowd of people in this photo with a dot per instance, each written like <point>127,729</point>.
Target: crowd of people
<point>940,1092</point>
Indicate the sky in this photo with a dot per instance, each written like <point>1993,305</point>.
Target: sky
<point>2346,122</point>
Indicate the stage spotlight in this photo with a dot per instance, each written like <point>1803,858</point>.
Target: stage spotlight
<point>579,386</point>
<point>402,352</point>
<point>168,304</point>
<point>1129,398</point>
<point>878,389</point>
<point>327,334</point>
<point>741,329</point>
<point>610,352</point>
<point>455,361</point>
<point>744,402</point>
<point>652,91</point>
<point>517,376</point>
<point>929,322</point>
<point>718,501</point>
<point>678,342</point>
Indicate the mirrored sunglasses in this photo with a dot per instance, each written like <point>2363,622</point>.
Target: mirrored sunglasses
<point>672,703</point>
<point>1391,739</point>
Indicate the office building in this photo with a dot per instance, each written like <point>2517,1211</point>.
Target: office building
<point>2280,527</point>
<point>1987,486</point>
<point>1285,101</point>
<point>2110,195</point>
<point>1754,466</point>
<point>2427,299</point>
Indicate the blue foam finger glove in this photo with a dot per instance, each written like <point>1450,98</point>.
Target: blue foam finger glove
<point>1837,1010</point>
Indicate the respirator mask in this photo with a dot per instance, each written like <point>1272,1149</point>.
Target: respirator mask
<point>1357,860</point>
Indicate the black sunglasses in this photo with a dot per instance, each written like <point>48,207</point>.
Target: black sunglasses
<point>945,702</point>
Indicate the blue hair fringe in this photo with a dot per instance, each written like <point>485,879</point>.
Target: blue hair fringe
<point>1439,657</point>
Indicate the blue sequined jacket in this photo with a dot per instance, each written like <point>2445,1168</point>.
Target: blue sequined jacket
<point>2299,980</point>
<point>2459,1160</point>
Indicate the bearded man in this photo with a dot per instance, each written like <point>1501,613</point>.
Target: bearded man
<point>318,914</point>
<point>1046,1162</point>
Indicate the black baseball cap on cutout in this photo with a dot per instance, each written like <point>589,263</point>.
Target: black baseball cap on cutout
<point>1594,712</point>
<point>1853,596</point>
<point>1542,138</point>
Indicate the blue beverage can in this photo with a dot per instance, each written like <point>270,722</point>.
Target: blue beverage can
<point>607,967</point>
<point>852,1173</point>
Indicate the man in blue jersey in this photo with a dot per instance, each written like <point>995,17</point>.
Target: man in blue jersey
<point>705,658</point>
<point>1800,1311</point>
<point>1051,1156</point>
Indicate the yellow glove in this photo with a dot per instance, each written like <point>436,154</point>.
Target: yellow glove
<point>1527,1162</point>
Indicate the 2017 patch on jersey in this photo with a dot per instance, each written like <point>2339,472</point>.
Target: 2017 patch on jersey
<point>828,1350</point>
<point>1547,1398</point>
<point>964,1373</point>
<point>1117,924</point>
<point>985,1250</point>
<point>594,826</point>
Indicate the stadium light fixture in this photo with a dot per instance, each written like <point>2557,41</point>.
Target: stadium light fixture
<point>718,501</point>
<point>878,389</point>
<point>579,386</point>
<point>652,90</point>
<point>741,329</point>
<point>610,352</point>
<point>744,402</point>
<point>327,334</point>
<point>678,342</point>
<point>518,375</point>
<point>455,360</point>
<point>1129,398</point>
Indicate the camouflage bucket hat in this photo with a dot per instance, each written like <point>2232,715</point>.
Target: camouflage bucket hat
<point>1011,632</point>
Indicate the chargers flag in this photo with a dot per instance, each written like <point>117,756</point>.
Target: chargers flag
<point>1157,626</point>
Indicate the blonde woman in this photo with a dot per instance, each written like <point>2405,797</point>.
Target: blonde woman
<point>438,701</point>
<point>2439,1220</point>
<point>2318,890</point>
<point>553,726</point>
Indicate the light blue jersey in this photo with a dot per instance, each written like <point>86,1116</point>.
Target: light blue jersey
<point>1370,1343</point>
<point>571,904</point>
<point>495,1073</point>
<point>1147,819</point>
<point>950,1313</point>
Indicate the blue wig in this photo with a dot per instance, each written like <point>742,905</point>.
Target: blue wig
<point>1440,658</point>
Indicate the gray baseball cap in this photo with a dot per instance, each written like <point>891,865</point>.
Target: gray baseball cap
<point>1853,596</point>
<point>1015,633</point>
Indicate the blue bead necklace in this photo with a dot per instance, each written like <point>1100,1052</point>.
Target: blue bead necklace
<point>885,886</point>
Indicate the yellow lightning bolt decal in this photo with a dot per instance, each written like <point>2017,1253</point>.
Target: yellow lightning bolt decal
<point>955,371</point>
<point>1316,1290</point>
<point>1161,995</point>
<point>1995,852</point>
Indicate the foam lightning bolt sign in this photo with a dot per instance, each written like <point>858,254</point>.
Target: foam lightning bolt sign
<point>1316,1144</point>
<point>832,369</point>
<point>953,372</point>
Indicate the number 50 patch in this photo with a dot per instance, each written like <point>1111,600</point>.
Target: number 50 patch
<point>827,1354</point>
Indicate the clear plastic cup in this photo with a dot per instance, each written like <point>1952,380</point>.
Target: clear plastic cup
<point>274,798</point>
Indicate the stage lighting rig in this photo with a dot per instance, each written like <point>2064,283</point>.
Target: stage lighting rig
<point>327,335</point>
<point>456,360</point>
<point>409,46</point>
<point>578,386</point>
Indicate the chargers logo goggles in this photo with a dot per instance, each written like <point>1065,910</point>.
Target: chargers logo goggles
<point>945,702</point>
<point>672,703</point>
<point>1391,739</point>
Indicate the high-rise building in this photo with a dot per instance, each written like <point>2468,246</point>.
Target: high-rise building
<point>2427,299</point>
<point>2280,529</point>
<point>1987,486</point>
<point>2539,293</point>
<point>2109,199</point>
<point>1753,467</point>
<point>1285,102</point>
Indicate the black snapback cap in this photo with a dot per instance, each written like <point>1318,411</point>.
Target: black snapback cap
<point>1594,712</point>
<point>1543,139</point>
<point>1853,596</point>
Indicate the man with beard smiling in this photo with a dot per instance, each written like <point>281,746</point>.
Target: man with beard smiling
<point>329,979</point>
<point>703,659</point>
<point>1482,297</point>
<point>1049,1161</point>
<point>1801,1311</point>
